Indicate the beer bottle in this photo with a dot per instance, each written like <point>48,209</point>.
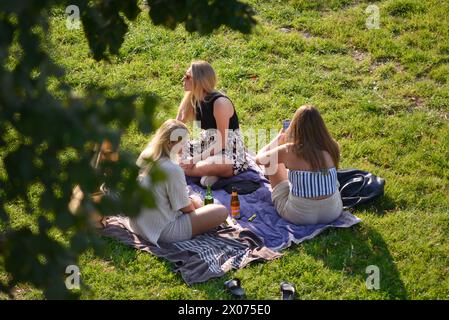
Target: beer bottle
<point>235,204</point>
<point>208,199</point>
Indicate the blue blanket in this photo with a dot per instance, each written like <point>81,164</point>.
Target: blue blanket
<point>275,232</point>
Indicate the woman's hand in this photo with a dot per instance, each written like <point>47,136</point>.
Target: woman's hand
<point>196,201</point>
<point>186,166</point>
<point>187,163</point>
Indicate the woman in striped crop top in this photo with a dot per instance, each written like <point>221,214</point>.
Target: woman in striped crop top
<point>301,164</point>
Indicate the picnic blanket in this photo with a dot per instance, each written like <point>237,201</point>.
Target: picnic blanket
<point>207,256</point>
<point>216,252</point>
<point>275,232</point>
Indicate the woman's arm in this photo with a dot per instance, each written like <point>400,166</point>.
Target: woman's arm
<point>272,151</point>
<point>277,141</point>
<point>185,110</point>
<point>189,208</point>
<point>223,111</point>
<point>182,115</point>
<point>195,203</point>
<point>270,157</point>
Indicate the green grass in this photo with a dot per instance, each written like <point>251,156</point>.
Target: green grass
<point>385,97</point>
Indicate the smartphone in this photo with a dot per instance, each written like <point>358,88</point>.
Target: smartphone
<point>286,124</point>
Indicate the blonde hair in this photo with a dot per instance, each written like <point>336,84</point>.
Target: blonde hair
<point>310,137</point>
<point>204,81</point>
<point>159,145</point>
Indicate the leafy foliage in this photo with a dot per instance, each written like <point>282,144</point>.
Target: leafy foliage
<point>47,136</point>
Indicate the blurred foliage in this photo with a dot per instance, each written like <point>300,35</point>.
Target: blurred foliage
<point>47,137</point>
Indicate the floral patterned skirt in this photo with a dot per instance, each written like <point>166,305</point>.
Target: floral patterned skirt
<point>234,150</point>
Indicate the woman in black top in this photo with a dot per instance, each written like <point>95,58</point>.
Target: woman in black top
<point>220,151</point>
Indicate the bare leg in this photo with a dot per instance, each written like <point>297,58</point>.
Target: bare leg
<point>207,217</point>
<point>209,168</point>
<point>279,176</point>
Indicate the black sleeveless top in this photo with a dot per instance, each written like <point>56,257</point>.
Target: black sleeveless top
<point>205,113</point>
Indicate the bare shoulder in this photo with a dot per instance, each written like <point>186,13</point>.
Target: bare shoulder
<point>223,106</point>
<point>223,101</point>
<point>328,159</point>
<point>291,159</point>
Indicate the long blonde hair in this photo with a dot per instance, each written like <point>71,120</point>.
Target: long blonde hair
<point>160,145</point>
<point>204,81</point>
<point>310,138</point>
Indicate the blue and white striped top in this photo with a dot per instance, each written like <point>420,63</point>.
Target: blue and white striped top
<point>311,184</point>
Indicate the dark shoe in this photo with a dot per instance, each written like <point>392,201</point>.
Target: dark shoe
<point>234,288</point>
<point>288,291</point>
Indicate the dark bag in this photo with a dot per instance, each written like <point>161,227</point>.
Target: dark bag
<point>242,187</point>
<point>358,186</point>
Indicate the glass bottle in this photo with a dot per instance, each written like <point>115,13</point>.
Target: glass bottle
<point>235,204</point>
<point>209,198</point>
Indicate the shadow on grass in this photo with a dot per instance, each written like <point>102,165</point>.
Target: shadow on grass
<point>353,250</point>
<point>380,206</point>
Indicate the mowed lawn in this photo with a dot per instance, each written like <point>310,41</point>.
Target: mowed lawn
<point>384,94</point>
